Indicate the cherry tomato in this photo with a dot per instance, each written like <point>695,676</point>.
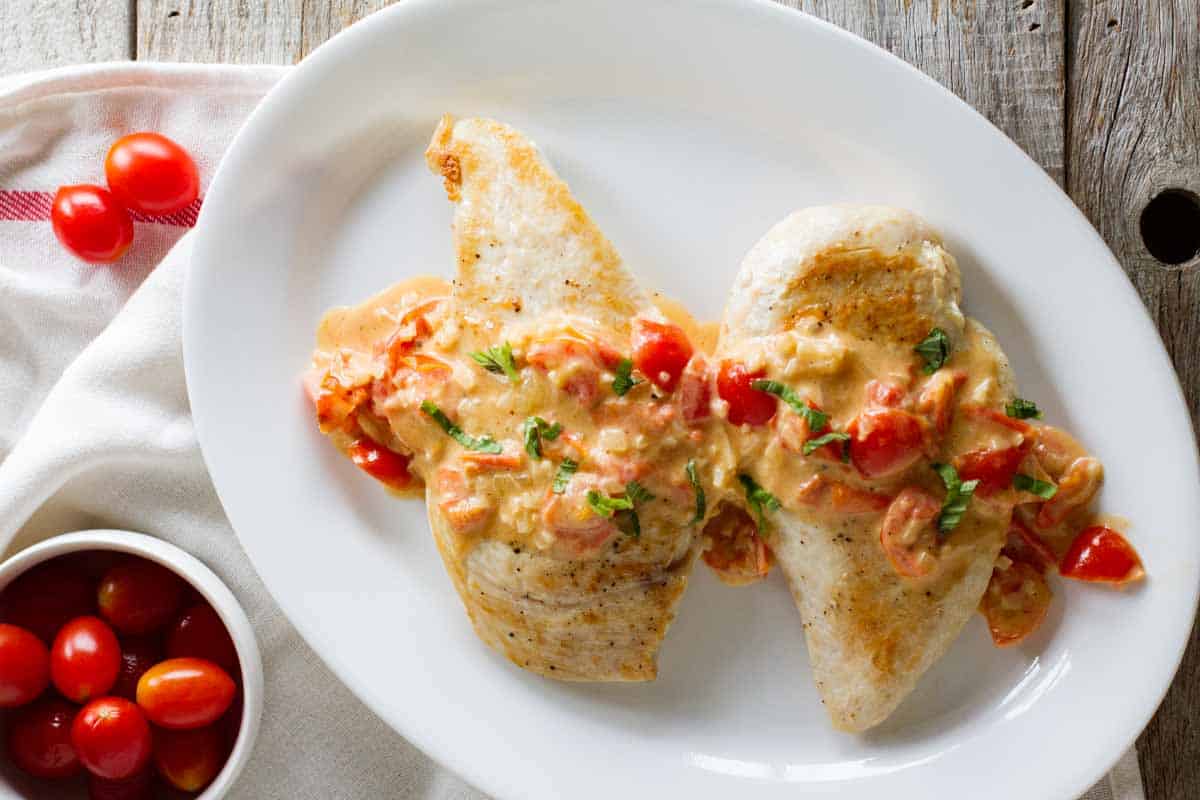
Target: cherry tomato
<point>138,654</point>
<point>135,787</point>
<point>24,666</point>
<point>746,405</point>
<point>140,596</point>
<point>112,737</point>
<point>994,468</point>
<point>1101,554</point>
<point>381,463</point>
<point>885,441</point>
<point>39,738</point>
<point>1015,602</point>
<point>660,352</point>
<point>47,597</point>
<point>907,533</point>
<point>91,223</point>
<point>85,659</point>
<point>189,760</point>
<point>185,693</point>
<point>150,173</point>
<point>200,633</point>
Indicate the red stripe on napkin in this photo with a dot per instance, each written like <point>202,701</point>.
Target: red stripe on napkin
<point>18,205</point>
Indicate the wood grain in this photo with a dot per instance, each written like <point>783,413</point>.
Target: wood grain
<point>229,31</point>
<point>1133,123</point>
<point>36,34</point>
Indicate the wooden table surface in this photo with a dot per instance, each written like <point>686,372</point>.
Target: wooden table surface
<point>1104,94</point>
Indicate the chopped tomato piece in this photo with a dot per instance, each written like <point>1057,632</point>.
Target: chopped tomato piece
<point>847,499</point>
<point>577,365</point>
<point>335,402</point>
<point>465,512</point>
<point>882,393</point>
<point>382,464</point>
<point>994,468</point>
<point>1030,546</point>
<point>936,400</point>
<point>1076,489</point>
<point>1015,602</point>
<point>578,531</point>
<point>506,460</point>
<point>885,441</point>
<point>908,534</point>
<point>695,390</point>
<point>747,406</point>
<point>1101,554</point>
<point>999,417</point>
<point>735,551</point>
<point>413,328</point>
<point>660,352</point>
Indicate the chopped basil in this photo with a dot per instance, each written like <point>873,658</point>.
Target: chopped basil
<point>624,380</point>
<point>701,502</point>
<point>935,349</point>
<point>562,477</point>
<point>1026,483</point>
<point>482,444</point>
<point>834,436</point>
<point>499,359</point>
<point>1022,409</point>
<point>759,500</point>
<point>536,429</point>
<point>816,420</point>
<point>606,506</point>
<point>637,493</point>
<point>958,495</point>
<point>623,507</point>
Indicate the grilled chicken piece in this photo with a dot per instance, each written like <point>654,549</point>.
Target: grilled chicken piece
<point>865,283</point>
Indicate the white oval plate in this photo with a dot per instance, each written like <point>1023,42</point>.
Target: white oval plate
<point>687,129</point>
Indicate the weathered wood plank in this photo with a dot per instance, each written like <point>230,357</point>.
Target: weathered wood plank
<point>323,19</point>
<point>37,34</point>
<point>229,31</point>
<point>1004,57</point>
<point>1133,130</point>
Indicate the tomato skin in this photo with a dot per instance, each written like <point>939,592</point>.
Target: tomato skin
<point>1102,555</point>
<point>189,760</point>
<point>139,596</point>
<point>907,534</point>
<point>185,693</point>
<point>747,406</point>
<point>150,173</point>
<point>47,597</point>
<point>660,352</point>
<point>1015,603</point>
<point>138,655</point>
<point>885,441</point>
<point>39,739</point>
<point>994,468</point>
<point>200,633</point>
<point>91,223</point>
<point>381,463</point>
<point>112,737</point>
<point>136,787</point>
<point>24,666</point>
<point>85,659</point>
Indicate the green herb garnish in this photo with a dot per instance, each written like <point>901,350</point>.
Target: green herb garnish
<point>624,380</point>
<point>958,495</point>
<point>536,430</point>
<point>562,476</point>
<point>499,359</point>
<point>623,507</point>
<point>1022,409</point>
<point>816,419</point>
<point>935,349</point>
<point>833,436</point>
<point>701,502</point>
<point>759,500</point>
<point>482,444</point>
<point>1027,483</point>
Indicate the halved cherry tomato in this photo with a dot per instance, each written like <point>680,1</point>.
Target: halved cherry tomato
<point>200,633</point>
<point>112,737</point>
<point>382,464</point>
<point>735,551</point>
<point>139,596</point>
<point>885,441</point>
<point>908,535</point>
<point>1015,602</point>
<point>150,173</point>
<point>189,760</point>
<point>24,666</point>
<point>1102,555</point>
<point>747,406</point>
<point>660,352</point>
<point>994,468</point>
<point>47,597</point>
<point>91,223</point>
<point>138,654</point>
<point>135,787</point>
<point>185,693</point>
<point>85,659</point>
<point>39,739</point>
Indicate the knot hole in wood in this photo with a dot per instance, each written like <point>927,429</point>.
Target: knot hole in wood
<point>1170,226</point>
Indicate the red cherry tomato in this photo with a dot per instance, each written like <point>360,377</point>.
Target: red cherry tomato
<point>185,693</point>
<point>24,666</point>
<point>150,173</point>
<point>1015,602</point>
<point>200,633</point>
<point>189,760</point>
<point>47,597</point>
<point>1102,555</point>
<point>885,441</point>
<point>91,223</point>
<point>746,405</point>
<point>138,655</point>
<point>907,533</point>
<point>140,596</point>
<point>39,738</point>
<point>85,659</point>
<point>135,787</point>
<point>112,737</point>
<point>382,464</point>
<point>994,468</point>
<point>660,352</point>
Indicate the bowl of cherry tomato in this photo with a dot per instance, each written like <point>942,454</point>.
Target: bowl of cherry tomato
<point>128,671</point>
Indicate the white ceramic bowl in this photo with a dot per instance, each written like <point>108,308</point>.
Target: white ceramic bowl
<point>15,784</point>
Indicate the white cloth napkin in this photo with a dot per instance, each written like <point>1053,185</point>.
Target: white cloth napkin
<point>95,429</point>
